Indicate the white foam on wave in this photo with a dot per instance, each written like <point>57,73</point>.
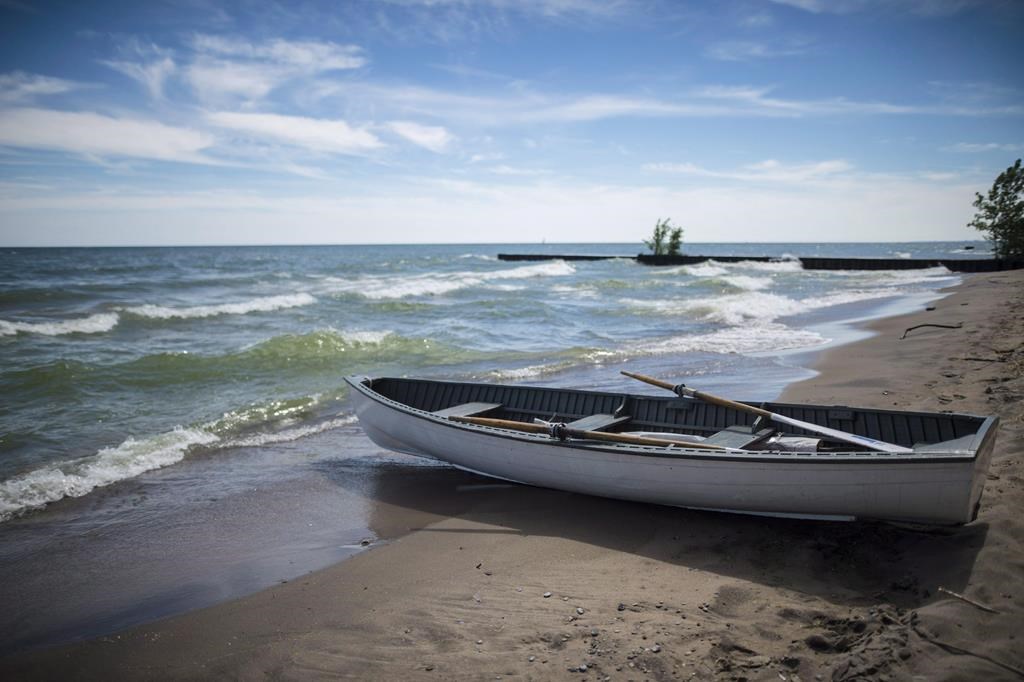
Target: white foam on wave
<point>747,282</point>
<point>74,479</point>
<point>367,337</point>
<point>771,337</point>
<point>708,268</point>
<point>936,275</point>
<point>381,287</point>
<point>755,306</point>
<point>255,305</point>
<point>288,435</point>
<point>784,264</point>
<point>94,324</point>
<point>131,458</point>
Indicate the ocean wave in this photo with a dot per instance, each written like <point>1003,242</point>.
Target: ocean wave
<point>708,268</point>
<point>256,305</point>
<point>133,457</point>
<point>755,306</point>
<point>297,358</point>
<point>785,264</point>
<point>747,282</point>
<point>73,479</point>
<point>289,435</point>
<point>94,324</point>
<point>760,339</point>
<point>435,284</point>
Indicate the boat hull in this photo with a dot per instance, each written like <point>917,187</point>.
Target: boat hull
<point>913,488</point>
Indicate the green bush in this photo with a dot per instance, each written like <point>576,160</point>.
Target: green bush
<point>1001,213</point>
<point>666,240</point>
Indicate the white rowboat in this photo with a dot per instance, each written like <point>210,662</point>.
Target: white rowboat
<point>685,452</point>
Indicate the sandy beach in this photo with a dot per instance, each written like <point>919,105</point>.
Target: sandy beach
<point>523,583</point>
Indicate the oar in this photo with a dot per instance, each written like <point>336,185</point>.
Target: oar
<point>560,430</point>
<point>682,390</point>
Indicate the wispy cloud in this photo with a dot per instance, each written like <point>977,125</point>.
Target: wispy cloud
<point>455,21</point>
<point>745,50</point>
<point>919,7</point>
<point>317,135</point>
<point>308,55</point>
<point>516,171</point>
<point>228,67</point>
<point>524,107</point>
<point>546,8</point>
<point>151,75</point>
<point>434,138</point>
<point>18,87</point>
<point>976,147</point>
<point>92,134</point>
<point>770,171</point>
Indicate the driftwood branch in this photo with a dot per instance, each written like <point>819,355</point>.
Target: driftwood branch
<point>959,651</point>
<point>906,331</point>
<point>967,600</point>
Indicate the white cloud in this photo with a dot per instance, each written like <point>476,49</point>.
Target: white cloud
<point>975,147</point>
<point>866,209</point>
<point>531,107</point>
<point>151,75</point>
<point>217,79</point>
<point>504,169</point>
<point>308,55</point>
<point>18,87</point>
<point>434,138</point>
<point>764,171</point>
<point>94,134</point>
<point>919,7</point>
<point>318,135</point>
<point>745,50</point>
<point>545,8</point>
<point>227,67</point>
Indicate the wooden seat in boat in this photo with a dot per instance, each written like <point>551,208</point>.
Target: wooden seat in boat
<point>739,437</point>
<point>467,409</point>
<point>598,422</point>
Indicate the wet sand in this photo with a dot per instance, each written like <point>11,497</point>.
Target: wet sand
<point>645,592</point>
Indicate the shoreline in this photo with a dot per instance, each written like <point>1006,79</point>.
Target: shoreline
<point>664,592</point>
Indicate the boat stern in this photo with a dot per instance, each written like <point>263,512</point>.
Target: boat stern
<point>986,443</point>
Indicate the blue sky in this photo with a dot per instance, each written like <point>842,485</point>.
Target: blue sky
<point>200,122</point>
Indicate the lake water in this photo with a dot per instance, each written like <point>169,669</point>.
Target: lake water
<point>191,376</point>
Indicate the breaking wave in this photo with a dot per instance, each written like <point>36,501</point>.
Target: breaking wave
<point>94,324</point>
<point>253,426</point>
<point>74,479</point>
<point>434,284</point>
<point>754,306</point>
<point>771,337</point>
<point>255,305</point>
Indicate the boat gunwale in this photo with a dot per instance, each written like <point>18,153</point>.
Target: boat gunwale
<point>680,451</point>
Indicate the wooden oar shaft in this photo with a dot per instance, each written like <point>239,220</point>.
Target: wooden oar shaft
<point>725,402</point>
<point>701,395</point>
<point>650,380</point>
<point>863,441</point>
<point>587,435</point>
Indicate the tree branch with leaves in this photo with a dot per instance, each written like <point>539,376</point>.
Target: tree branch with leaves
<point>1001,213</point>
<point>666,240</point>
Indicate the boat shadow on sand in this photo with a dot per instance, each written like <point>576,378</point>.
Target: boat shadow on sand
<point>849,563</point>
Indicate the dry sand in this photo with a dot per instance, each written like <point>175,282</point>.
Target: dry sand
<point>644,592</point>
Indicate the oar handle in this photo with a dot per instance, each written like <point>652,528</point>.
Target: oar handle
<point>559,430</point>
<point>682,390</point>
<point>651,380</point>
<point>863,441</point>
